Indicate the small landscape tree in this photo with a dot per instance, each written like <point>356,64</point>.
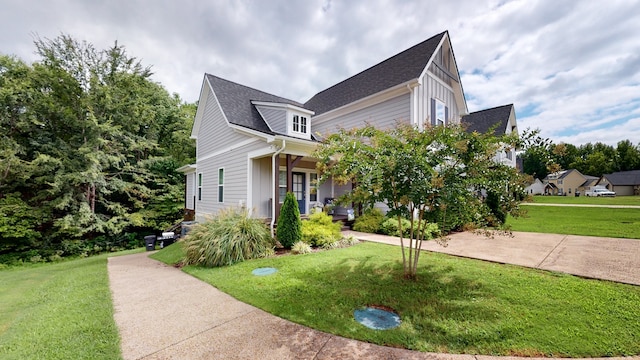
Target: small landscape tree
<point>289,229</point>
<point>420,174</point>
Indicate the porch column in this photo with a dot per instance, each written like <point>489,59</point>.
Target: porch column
<point>291,163</point>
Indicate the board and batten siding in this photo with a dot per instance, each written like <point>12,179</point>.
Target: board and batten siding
<point>234,163</point>
<point>276,118</point>
<point>433,88</point>
<point>214,133</point>
<point>383,115</point>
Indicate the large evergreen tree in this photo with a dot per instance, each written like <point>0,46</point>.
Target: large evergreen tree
<point>89,146</point>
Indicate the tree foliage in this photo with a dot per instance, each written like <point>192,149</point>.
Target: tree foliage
<point>89,145</point>
<point>541,156</point>
<point>435,174</point>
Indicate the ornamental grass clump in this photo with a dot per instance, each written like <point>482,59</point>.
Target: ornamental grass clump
<point>230,237</point>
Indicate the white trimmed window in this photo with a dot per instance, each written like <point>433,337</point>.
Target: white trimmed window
<point>199,186</point>
<point>282,185</point>
<point>440,113</point>
<point>313,179</point>
<point>221,185</point>
<point>299,124</point>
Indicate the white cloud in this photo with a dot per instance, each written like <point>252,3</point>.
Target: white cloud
<point>574,62</point>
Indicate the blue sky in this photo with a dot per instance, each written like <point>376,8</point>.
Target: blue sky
<point>571,68</point>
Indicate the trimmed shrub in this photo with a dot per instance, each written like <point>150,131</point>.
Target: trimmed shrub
<point>390,227</point>
<point>289,229</point>
<point>320,229</point>
<point>230,237</point>
<point>370,222</point>
<point>301,247</point>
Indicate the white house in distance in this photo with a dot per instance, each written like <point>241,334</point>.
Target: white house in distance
<point>252,147</point>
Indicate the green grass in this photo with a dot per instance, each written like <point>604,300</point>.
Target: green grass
<point>617,223</point>
<point>618,200</point>
<point>456,306</point>
<point>58,311</point>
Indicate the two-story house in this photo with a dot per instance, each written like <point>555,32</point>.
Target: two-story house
<point>253,147</point>
<point>567,182</point>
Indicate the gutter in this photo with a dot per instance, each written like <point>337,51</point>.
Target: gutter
<point>273,185</point>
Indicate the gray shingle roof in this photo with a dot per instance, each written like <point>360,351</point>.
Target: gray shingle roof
<point>482,121</point>
<point>622,178</point>
<point>235,100</point>
<point>398,69</point>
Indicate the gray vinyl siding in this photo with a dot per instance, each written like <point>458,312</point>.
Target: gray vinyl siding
<point>190,184</point>
<point>214,133</point>
<point>235,179</point>
<point>276,118</point>
<point>384,115</point>
<point>433,89</point>
<point>261,186</point>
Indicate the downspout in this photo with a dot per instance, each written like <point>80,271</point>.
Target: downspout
<point>273,185</point>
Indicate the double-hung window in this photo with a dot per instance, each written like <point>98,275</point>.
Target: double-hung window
<point>199,186</point>
<point>313,196</point>
<point>282,185</point>
<point>221,185</point>
<point>440,113</point>
<point>299,124</point>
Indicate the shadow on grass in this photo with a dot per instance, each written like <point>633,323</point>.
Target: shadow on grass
<point>438,310</point>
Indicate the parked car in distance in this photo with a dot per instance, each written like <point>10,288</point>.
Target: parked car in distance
<point>600,192</point>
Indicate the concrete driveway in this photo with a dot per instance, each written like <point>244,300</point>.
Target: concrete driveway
<point>592,257</point>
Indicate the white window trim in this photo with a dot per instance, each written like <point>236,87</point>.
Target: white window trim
<point>299,124</point>
<point>221,186</point>
<point>199,182</point>
<point>440,104</point>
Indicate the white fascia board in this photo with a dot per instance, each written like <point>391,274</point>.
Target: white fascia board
<point>202,101</point>
<point>283,106</point>
<point>404,88</point>
<point>460,98</point>
<point>300,142</point>
<point>187,169</point>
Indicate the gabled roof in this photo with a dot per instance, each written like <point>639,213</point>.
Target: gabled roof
<point>622,178</point>
<point>235,101</point>
<point>396,70</point>
<point>482,121</point>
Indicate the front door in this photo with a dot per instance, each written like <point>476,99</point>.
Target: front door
<point>298,188</point>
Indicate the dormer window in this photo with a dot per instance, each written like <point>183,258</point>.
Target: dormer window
<point>300,124</point>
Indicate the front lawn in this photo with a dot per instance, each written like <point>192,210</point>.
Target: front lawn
<point>58,311</point>
<point>588,221</point>
<point>618,200</point>
<point>456,306</point>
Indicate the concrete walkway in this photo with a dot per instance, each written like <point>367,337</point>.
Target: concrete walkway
<point>163,313</point>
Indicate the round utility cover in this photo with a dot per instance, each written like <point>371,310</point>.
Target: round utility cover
<point>264,271</point>
<point>377,319</point>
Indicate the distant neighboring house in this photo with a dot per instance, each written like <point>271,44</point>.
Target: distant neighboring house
<point>567,182</point>
<point>252,147</point>
<point>622,182</point>
<point>537,188</point>
<point>499,120</point>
